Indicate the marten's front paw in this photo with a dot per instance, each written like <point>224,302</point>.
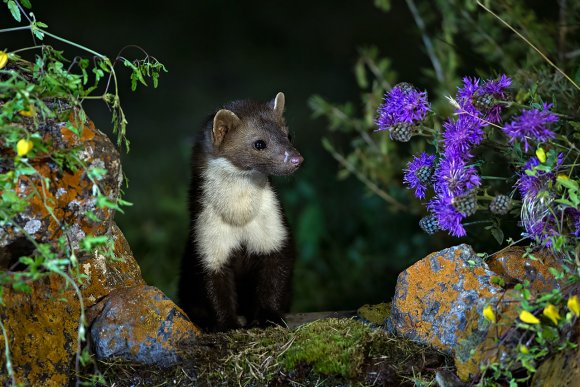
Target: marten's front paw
<point>266,321</point>
<point>226,325</point>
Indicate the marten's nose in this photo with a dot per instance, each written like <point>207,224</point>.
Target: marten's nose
<point>297,160</point>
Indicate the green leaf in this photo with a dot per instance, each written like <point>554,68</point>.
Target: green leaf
<point>38,33</point>
<point>89,242</point>
<point>14,10</point>
<point>21,287</point>
<point>564,201</point>
<point>383,5</point>
<point>26,3</point>
<point>25,170</point>
<point>497,233</point>
<point>360,74</point>
<point>96,173</point>
<point>568,183</point>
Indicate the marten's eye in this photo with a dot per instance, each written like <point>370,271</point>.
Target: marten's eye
<point>260,144</point>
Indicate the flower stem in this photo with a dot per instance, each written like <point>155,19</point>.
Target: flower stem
<point>72,43</point>
<point>530,44</point>
<point>426,41</point>
<point>23,28</point>
<point>372,186</point>
<point>25,49</point>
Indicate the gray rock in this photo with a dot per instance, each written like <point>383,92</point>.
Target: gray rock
<point>434,297</point>
<point>142,325</point>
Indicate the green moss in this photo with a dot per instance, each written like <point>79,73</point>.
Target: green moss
<point>375,314</point>
<point>330,347</point>
<point>324,352</point>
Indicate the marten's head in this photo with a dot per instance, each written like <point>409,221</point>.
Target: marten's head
<point>254,136</point>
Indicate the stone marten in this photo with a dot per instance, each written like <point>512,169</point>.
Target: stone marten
<point>240,256</point>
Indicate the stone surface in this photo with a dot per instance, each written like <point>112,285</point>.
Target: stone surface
<point>46,321</point>
<point>141,324</point>
<point>478,343</point>
<point>514,267</point>
<point>561,370</point>
<point>434,297</point>
<point>104,275</point>
<point>42,331</point>
<point>69,193</point>
<point>375,314</point>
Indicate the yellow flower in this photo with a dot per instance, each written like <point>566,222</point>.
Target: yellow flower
<point>524,349</point>
<point>551,312</point>
<point>574,305</point>
<point>529,318</point>
<point>562,177</point>
<point>541,154</point>
<point>488,314</point>
<point>27,113</point>
<point>23,147</point>
<point>3,59</point>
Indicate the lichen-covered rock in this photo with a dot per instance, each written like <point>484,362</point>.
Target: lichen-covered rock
<point>104,274</point>
<point>480,340</point>
<point>374,314</point>
<point>70,191</point>
<point>141,324</point>
<point>434,297</point>
<point>42,328</point>
<point>514,267</point>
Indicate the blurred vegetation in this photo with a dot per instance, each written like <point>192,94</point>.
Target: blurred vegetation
<point>352,244</point>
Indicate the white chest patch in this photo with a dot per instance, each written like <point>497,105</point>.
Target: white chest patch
<point>239,209</point>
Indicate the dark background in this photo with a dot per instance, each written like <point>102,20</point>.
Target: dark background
<point>351,247</point>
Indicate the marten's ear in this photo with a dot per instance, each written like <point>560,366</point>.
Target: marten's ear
<point>278,103</point>
<point>223,121</point>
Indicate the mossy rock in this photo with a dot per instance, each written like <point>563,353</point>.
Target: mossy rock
<point>375,314</point>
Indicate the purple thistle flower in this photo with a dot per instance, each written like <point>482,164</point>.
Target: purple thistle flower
<point>416,171</point>
<point>402,104</point>
<point>467,91</point>
<point>538,221</point>
<point>532,124</point>
<point>539,217</point>
<point>461,135</point>
<point>496,87</point>
<point>530,185</point>
<point>454,178</point>
<point>448,217</point>
<point>478,100</point>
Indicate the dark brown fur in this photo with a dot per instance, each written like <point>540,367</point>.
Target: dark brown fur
<point>256,286</point>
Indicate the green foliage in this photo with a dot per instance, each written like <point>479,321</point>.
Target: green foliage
<point>531,341</point>
<point>35,94</point>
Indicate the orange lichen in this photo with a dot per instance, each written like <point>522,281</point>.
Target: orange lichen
<point>39,324</point>
<point>512,266</point>
<point>471,353</point>
<point>140,321</point>
<point>70,137</point>
<point>42,328</point>
<point>430,291</point>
